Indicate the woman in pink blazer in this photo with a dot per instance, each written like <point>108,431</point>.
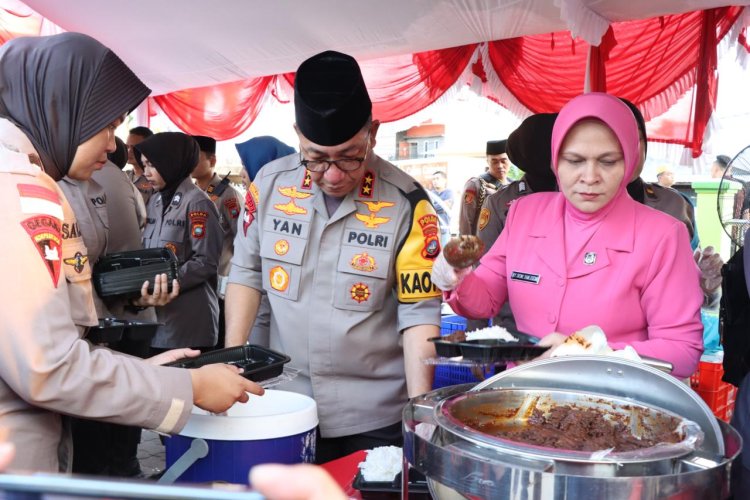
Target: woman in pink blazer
<point>590,254</point>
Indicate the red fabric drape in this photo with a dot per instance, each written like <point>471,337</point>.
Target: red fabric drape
<point>219,111</point>
<point>400,86</point>
<point>706,81</point>
<point>650,62</point>
<point>653,57</point>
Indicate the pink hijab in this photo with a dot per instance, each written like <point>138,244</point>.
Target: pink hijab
<point>579,227</point>
<point>610,110</point>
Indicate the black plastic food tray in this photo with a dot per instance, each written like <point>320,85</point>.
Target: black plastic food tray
<point>382,489</point>
<point>108,331</point>
<point>123,273</point>
<point>492,350</point>
<point>258,363</point>
<point>139,331</point>
<point>448,346</point>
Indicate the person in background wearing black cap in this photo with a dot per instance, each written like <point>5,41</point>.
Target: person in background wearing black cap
<point>477,189</point>
<point>529,149</point>
<point>61,99</point>
<point>183,219</point>
<point>136,136</point>
<point>228,202</point>
<point>343,243</point>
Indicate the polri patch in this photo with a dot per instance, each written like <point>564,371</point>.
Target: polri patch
<point>45,234</point>
<point>429,225</point>
<point>198,224</point>
<point>526,277</point>
<point>232,207</point>
<point>469,196</point>
<point>484,217</point>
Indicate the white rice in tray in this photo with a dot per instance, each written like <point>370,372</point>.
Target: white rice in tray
<point>492,332</point>
<point>382,464</point>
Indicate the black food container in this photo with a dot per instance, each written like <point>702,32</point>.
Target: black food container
<point>495,350</point>
<point>258,363</point>
<point>122,274</point>
<point>108,331</point>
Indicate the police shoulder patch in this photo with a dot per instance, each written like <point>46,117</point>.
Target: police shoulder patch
<point>251,206</point>
<point>198,224</point>
<point>484,217</point>
<point>418,250</point>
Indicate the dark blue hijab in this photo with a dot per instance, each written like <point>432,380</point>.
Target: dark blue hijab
<point>261,150</point>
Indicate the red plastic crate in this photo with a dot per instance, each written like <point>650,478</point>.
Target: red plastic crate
<point>718,395</point>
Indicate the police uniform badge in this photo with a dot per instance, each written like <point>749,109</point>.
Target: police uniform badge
<point>232,207</point>
<point>198,224</point>
<point>431,232</point>
<point>251,198</point>
<point>176,199</point>
<point>590,258</point>
<point>45,234</point>
<point>78,261</point>
<point>484,218</point>
<point>360,292</point>
<point>469,196</point>
<point>279,279</point>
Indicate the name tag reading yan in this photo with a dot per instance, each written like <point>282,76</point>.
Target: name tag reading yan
<point>527,277</point>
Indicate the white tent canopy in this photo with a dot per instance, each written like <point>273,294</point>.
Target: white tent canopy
<point>177,44</point>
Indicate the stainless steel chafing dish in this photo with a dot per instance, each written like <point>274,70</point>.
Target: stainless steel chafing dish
<point>461,461</point>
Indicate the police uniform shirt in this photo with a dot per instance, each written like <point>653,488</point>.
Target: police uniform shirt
<point>495,208</point>
<point>45,369</point>
<point>142,185</point>
<point>341,288</point>
<point>670,202</point>
<point>190,228</point>
<point>127,215</point>
<point>476,190</point>
<point>76,263</point>
<point>229,204</point>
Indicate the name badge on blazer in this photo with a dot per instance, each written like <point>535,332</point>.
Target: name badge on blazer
<point>526,277</point>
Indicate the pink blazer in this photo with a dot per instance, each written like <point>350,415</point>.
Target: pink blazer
<point>642,287</point>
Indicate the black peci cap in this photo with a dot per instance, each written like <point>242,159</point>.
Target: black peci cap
<point>496,147</point>
<point>207,144</point>
<point>330,98</point>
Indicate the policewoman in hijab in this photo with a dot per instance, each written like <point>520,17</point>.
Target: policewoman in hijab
<point>61,97</point>
<point>590,254</point>
<point>182,218</point>
<point>528,148</point>
<point>254,154</point>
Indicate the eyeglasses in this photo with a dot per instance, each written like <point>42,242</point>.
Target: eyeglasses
<point>343,164</point>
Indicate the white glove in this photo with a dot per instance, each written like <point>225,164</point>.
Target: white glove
<point>445,276</point>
